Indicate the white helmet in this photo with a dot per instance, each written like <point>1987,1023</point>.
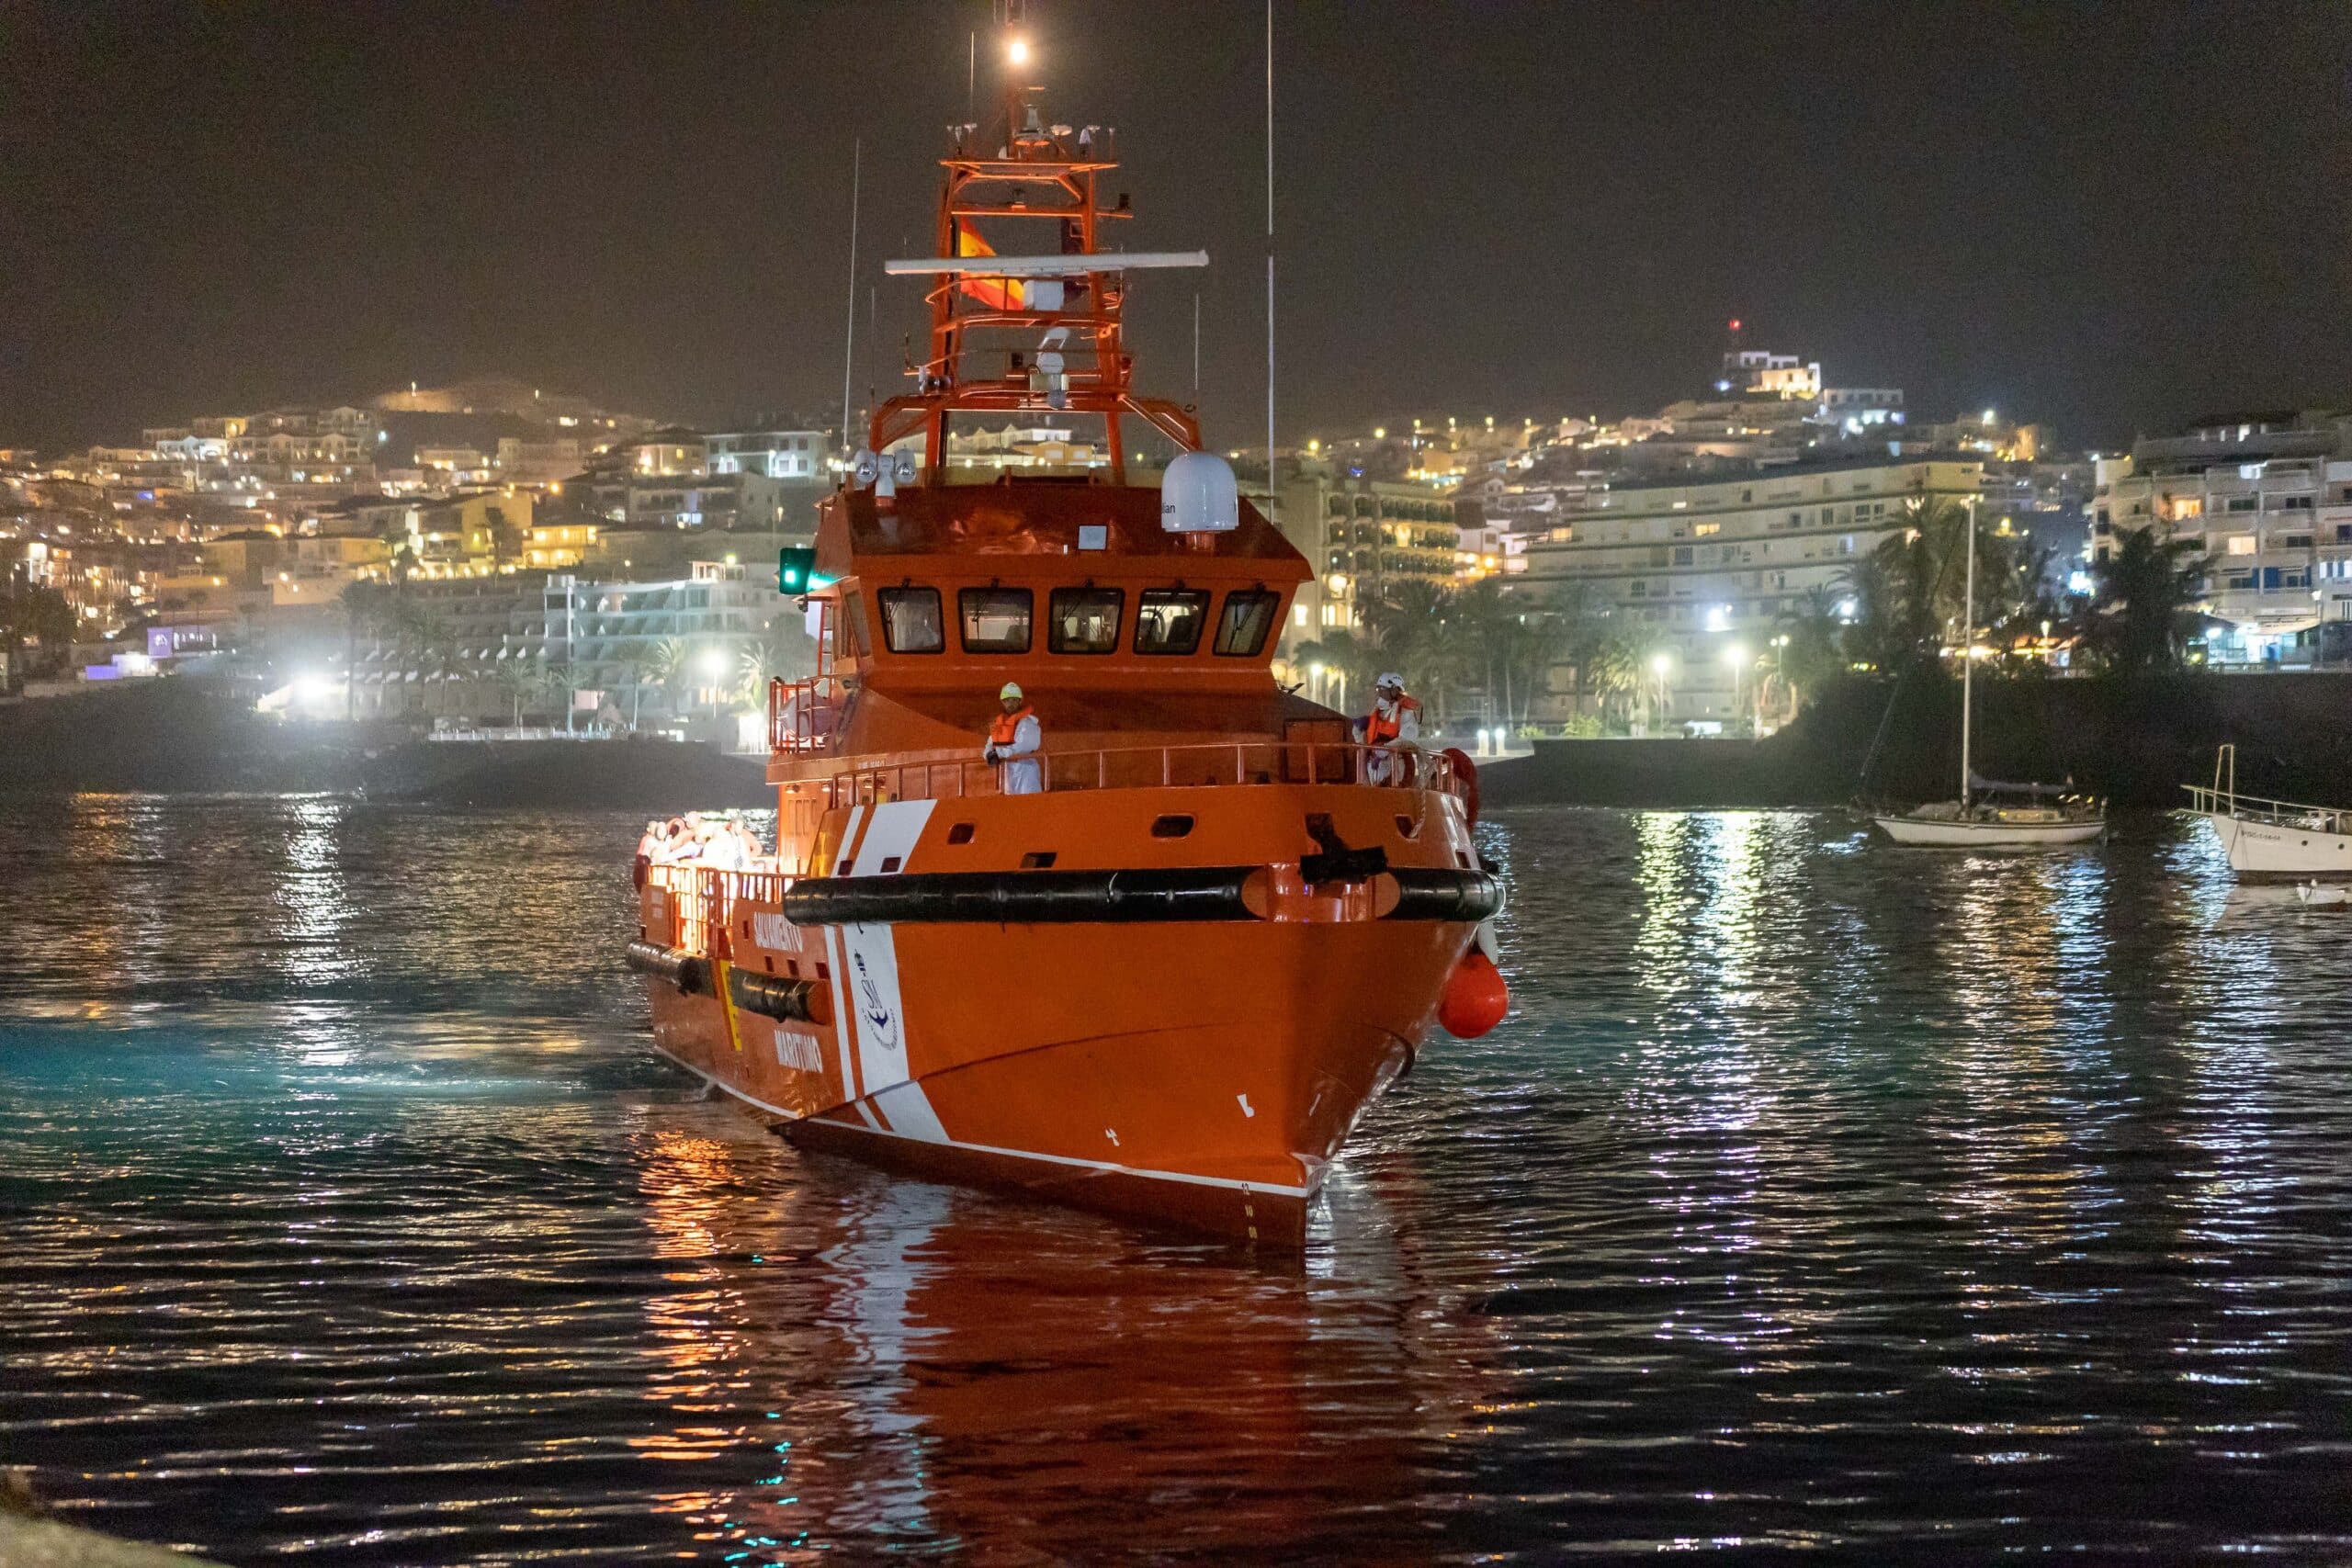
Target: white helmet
<point>1391,679</point>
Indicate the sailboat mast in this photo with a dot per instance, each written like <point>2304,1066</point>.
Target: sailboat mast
<point>1968,652</point>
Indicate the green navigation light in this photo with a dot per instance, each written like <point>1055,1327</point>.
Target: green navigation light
<point>795,571</point>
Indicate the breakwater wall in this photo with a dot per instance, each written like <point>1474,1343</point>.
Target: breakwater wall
<point>184,737</point>
<point>2135,743</point>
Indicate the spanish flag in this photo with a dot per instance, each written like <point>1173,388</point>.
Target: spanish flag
<point>996,293</point>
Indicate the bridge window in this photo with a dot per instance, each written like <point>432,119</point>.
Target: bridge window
<point>1248,615</point>
<point>849,632</point>
<point>1086,620</point>
<point>911,620</point>
<point>1169,620</point>
<point>996,620</point>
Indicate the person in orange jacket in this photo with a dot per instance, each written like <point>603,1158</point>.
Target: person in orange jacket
<point>1395,721</point>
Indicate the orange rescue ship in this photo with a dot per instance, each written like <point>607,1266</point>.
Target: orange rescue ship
<point>1163,969</point>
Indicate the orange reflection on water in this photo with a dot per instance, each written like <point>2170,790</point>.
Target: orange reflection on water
<point>914,1365</point>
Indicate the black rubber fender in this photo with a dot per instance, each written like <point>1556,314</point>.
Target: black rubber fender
<point>687,971</point>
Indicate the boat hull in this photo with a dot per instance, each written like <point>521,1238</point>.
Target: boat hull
<point>2282,850</point>
<point>1955,834</point>
<point>1202,1076</point>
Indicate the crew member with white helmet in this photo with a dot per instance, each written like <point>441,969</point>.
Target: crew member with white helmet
<point>1013,744</point>
<point>1395,721</point>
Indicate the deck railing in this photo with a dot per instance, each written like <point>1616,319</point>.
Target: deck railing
<point>701,895</point>
<point>802,714</point>
<point>2274,813</point>
<point>1201,765</point>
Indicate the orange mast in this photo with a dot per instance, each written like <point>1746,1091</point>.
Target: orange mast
<point>1054,318</point>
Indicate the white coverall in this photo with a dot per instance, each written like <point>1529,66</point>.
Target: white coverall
<point>1379,765</point>
<point>1023,777</point>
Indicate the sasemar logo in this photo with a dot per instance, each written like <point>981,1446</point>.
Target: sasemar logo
<point>877,1011</point>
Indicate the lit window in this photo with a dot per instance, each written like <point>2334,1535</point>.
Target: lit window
<point>1248,617</point>
<point>1085,620</point>
<point>911,620</point>
<point>996,620</point>
<point>1169,620</point>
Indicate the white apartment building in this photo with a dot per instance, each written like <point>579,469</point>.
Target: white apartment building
<point>608,636</point>
<point>2268,499</point>
<point>777,453</point>
<point>1701,573</point>
<point>611,633</point>
<point>538,462</point>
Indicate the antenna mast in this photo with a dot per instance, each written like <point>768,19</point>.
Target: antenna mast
<point>849,343</point>
<point>1039,331</point>
<point>1269,252</point>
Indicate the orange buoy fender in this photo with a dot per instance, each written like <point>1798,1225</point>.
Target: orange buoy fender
<point>1476,997</point>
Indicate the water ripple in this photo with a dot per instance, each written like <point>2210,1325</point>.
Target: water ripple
<point>1817,1198</point>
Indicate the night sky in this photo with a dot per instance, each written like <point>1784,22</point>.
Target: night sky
<point>2109,217</point>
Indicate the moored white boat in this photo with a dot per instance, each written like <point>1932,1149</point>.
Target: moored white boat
<point>1988,815</point>
<point>2265,838</point>
<point>1951,825</point>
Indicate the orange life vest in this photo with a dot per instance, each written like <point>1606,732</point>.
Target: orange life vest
<point>1379,731</point>
<point>1006,730</point>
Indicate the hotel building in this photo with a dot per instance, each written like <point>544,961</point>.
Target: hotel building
<point>1700,572</point>
<point>2268,499</point>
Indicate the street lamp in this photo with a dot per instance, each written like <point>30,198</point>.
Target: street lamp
<point>1660,664</point>
<point>714,666</point>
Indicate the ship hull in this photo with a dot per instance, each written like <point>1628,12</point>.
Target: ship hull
<point>2281,850</point>
<point>1200,1076</point>
<point>1954,834</point>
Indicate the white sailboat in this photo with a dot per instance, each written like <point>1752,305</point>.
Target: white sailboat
<point>2267,838</point>
<point>1989,814</point>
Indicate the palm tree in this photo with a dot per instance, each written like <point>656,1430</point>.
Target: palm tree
<point>425,641</point>
<point>1481,627</point>
<point>1408,625</point>
<point>1349,662</point>
<point>666,666</point>
<point>1537,643</point>
<point>1613,671</point>
<point>369,606</point>
<point>784,652</point>
<point>637,664</point>
<point>2024,603</point>
<point>40,615</point>
<point>554,679</point>
<point>2144,603</point>
<point>1811,657</point>
<point>516,680</point>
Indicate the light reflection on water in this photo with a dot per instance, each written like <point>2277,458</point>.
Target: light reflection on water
<point>1818,1194</point>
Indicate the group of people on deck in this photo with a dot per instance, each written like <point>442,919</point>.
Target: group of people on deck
<point>1016,740</point>
<point>721,843</point>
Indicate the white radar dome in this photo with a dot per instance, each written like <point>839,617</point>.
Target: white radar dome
<point>1197,495</point>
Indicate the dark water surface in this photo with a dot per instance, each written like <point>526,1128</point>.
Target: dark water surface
<point>1818,1197</point>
